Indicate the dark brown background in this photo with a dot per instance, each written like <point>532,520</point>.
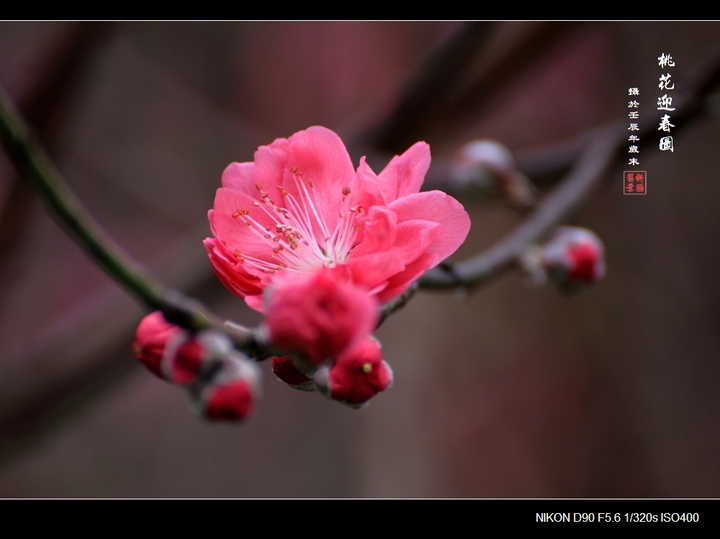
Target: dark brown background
<point>511,392</point>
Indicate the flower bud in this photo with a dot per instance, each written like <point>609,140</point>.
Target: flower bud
<point>151,338</point>
<point>574,257</point>
<point>489,165</point>
<point>230,392</point>
<point>285,369</point>
<point>317,315</point>
<point>186,358</point>
<point>356,376</point>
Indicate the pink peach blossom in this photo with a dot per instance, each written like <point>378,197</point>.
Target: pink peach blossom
<point>301,205</point>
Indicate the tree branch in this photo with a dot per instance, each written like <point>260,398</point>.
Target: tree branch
<point>36,167</point>
<point>602,146</point>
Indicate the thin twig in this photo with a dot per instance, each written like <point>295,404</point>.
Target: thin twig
<point>35,166</point>
<point>566,198</point>
<point>397,303</point>
<point>554,209</point>
<point>59,69</point>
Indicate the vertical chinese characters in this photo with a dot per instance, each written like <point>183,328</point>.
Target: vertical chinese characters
<point>634,182</point>
<point>634,114</point>
<point>664,102</point>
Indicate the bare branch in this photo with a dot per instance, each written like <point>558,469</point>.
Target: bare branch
<point>554,209</point>
<point>602,146</point>
<point>35,166</point>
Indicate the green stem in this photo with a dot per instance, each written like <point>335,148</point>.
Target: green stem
<point>35,166</point>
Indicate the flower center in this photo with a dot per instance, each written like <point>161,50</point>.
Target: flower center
<point>299,238</point>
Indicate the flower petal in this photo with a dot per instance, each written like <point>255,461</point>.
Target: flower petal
<point>270,165</point>
<point>365,184</point>
<point>414,237</point>
<point>231,274</point>
<point>239,176</point>
<point>405,173</point>
<point>438,207</point>
<point>246,233</point>
<point>379,232</point>
<point>322,162</point>
<point>399,282</point>
<point>373,270</point>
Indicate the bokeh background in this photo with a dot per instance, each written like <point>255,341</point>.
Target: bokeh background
<point>509,392</point>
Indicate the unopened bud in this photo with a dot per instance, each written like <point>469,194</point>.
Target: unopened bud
<point>186,358</point>
<point>573,258</point>
<point>356,376</point>
<point>318,315</point>
<point>487,164</point>
<point>230,392</point>
<point>285,369</point>
<point>151,338</point>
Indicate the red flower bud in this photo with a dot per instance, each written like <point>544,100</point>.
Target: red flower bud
<point>574,257</point>
<point>286,370</point>
<point>318,316</point>
<point>186,357</point>
<point>151,338</point>
<point>231,391</point>
<point>357,375</point>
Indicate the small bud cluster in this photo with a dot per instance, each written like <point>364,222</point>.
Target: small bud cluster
<point>222,383</point>
<point>326,324</point>
<point>353,377</point>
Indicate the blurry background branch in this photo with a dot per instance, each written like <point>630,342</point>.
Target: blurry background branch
<point>40,106</point>
<point>601,147</point>
<point>460,77</point>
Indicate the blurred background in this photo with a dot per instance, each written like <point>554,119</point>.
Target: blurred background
<point>508,392</point>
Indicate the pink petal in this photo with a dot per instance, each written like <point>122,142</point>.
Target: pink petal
<point>365,183</point>
<point>270,166</point>
<point>255,302</point>
<point>399,282</point>
<point>232,229</point>
<point>414,238</point>
<point>404,174</point>
<point>230,273</point>
<point>379,232</point>
<point>239,176</point>
<point>359,374</point>
<point>232,401</point>
<point>151,337</point>
<point>438,207</point>
<point>321,159</point>
<point>373,270</point>
<point>318,316</point>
